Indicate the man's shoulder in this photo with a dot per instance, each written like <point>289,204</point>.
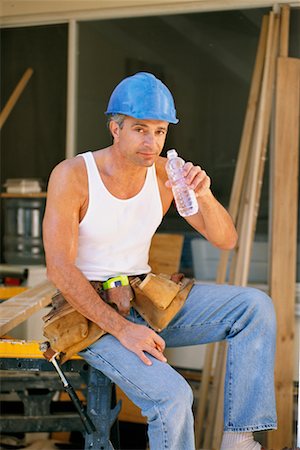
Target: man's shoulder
<point>69,167</point>
<point>69,178</point>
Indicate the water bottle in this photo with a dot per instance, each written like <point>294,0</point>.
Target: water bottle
<point>185,197</point>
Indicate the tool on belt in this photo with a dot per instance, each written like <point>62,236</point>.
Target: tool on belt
<point>50,355</point>
<point>157,298</point>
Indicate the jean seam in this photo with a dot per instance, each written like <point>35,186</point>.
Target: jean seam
<point>272,425</point>
<point>230,382</point>
<point>96,355</point>
<point>199,324</point>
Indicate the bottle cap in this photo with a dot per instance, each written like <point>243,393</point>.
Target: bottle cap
<point>172,153</point>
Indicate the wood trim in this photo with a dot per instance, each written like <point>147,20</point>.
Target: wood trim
<point>72,94</point>
<point>28,13</point>
<point>19,195</point>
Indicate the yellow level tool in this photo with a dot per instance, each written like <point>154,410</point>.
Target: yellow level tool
<point>15,348</point>
<point>10,291</point>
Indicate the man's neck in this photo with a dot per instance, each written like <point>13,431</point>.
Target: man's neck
<point>122,178</point>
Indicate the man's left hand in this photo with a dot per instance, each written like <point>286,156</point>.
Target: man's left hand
<point>197,179</point>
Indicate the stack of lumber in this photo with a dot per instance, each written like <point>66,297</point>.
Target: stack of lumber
<point>271,123</point>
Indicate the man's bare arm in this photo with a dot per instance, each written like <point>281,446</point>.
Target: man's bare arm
<point>212,219</point>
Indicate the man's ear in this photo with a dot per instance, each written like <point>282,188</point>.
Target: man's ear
<point>114,129</point>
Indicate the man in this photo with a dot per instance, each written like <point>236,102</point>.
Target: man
<point>102,211</point>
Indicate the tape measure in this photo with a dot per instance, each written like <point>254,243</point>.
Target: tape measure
<point>121,280</point>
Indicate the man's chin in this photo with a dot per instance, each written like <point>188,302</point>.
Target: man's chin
<point>147,160</point>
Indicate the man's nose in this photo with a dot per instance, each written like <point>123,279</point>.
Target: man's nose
<point>149,139</point>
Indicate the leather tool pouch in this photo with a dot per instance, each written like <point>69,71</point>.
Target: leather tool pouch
<point>119,298</point>
<point>158,299</point>
<point>67,330</point>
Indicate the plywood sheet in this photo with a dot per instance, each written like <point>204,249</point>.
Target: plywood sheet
<point>165,252</point>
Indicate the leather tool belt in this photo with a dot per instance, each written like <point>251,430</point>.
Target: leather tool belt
<point>157,298</point>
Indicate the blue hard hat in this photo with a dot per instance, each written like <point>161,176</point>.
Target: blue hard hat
<point>143,96</point>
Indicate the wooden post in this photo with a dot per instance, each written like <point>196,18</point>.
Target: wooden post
<point>15,96</point>
<point>284,191</point>
<point>216,394</point>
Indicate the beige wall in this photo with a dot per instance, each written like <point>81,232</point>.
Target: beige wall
<point>48,11</point>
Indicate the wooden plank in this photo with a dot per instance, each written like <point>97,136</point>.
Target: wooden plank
<point>268,116</point>
<point>217,392</point>
<point>284,192</point>
<point>129,411</point>
<point>248,128</point>
<point>165,252</point>
<point>284,31</point>
<point>263,123</point>
<point>219,413</point>
<point>17,309</point>
<point>15,96</point>
<point>203,394</point>
<point>246,140</point>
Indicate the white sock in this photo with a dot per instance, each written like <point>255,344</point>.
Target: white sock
<point>239,441</point>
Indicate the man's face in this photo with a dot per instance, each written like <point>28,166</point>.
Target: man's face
<point>141,141</point>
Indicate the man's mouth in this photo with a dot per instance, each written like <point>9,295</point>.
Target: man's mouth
<point>147,154</point>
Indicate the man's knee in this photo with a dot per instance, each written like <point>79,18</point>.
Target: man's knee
<point>260,306</point>
<point>178,391</point>
<point>184,393</point>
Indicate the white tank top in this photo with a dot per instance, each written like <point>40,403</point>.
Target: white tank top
<point>115,234</point>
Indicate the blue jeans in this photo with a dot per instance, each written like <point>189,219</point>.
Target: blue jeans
<point>245,318</point>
